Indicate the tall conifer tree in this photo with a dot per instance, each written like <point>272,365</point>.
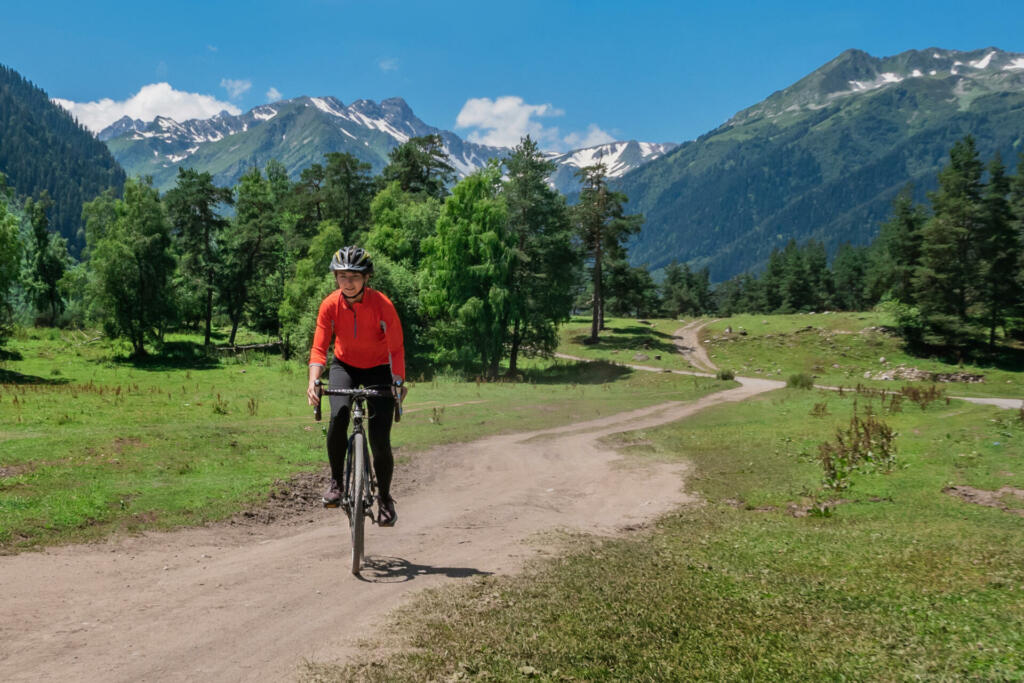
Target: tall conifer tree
<point>546,263</point>
<point>191,207</point>
<point>999,250</point>
<point>946,277</point>
<point>603,227</point>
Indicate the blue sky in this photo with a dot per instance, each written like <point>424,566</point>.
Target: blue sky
<point>569,72</point>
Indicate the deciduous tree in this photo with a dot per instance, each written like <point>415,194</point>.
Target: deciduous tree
<point>132,262</point>
<point>466,268</point>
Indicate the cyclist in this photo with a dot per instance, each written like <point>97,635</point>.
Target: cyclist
<point>368,351</point>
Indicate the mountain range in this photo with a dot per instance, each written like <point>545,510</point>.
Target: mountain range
<point>822,158</point>
<point>825,157</point>
<point>299,131</point>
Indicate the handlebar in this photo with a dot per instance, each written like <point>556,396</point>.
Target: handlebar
<point>378,391</point>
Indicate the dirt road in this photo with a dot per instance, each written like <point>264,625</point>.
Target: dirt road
<point>687,342</point>
<point>250,603</point>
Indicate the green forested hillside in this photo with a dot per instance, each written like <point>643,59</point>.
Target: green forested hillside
<point>43,148</point>
<point>825,158</point>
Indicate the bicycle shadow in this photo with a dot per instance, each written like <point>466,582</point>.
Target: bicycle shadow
<point>383,569</point>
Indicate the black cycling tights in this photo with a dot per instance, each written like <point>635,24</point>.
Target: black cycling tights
<point>382,414</point>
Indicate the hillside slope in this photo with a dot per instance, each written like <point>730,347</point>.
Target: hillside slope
<point>825,157</point>
<point>43,148</point>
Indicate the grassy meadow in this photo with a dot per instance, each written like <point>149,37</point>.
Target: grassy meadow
<point>839,348</point>
<point>93,443</point>
<point>624,339</point>
<point>771,578</point>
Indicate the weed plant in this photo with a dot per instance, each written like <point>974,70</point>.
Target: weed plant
<point>866,444</point>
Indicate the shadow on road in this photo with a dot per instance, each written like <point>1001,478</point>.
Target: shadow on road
<point>380,569</point>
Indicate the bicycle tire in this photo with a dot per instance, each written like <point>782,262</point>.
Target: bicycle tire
<point>358,455</point>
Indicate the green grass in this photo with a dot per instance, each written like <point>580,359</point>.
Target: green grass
<point>623,339</point>
<point>900,582</point>
<point>93,444</point>
<point>839,348</point>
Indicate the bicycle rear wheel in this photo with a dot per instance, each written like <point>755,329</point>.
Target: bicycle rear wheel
<point>357,453</point>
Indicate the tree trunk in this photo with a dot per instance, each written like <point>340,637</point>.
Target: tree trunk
<point>514,351</point>
<point>209,315</point>
<point>596,321</point>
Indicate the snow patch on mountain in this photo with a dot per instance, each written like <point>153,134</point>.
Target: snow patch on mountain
<point>327,107</point>
<point>263,114</point>
<point>363,121</point>
<point>1015,64</point>
<point>618,157</point>
<point>882,81</point>
<point>984,61</point>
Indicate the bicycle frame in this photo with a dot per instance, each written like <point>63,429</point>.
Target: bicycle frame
<point>358,471</point>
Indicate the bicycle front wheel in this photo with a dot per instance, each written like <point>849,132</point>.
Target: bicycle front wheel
<point>358,492</point>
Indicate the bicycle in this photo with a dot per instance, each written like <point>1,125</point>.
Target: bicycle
<point>359,485</point>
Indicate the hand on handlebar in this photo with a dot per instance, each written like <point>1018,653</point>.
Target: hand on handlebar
<point>399,385</point>
<point>313,392</point>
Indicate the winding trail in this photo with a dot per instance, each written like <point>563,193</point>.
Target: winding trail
<point>251,603</point>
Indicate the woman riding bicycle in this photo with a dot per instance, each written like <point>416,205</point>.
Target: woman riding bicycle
<point>368,351</point>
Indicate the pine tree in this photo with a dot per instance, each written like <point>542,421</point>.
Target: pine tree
<point>348,190</point>
<point>546,263</point>
<point>191,207</point>
<point>250,249</point>
<point>945,279</point>
<point>49,258</point>
<point>999,251</point>
<point>10,258</point>
<point>420,165</point>
<point>603,228</point>
<point>1017,211</point>
<point>849,270</point>
<point>309,198</point>
<point>897,250</point>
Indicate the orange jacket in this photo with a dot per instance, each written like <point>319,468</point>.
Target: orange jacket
<point>366,334</point>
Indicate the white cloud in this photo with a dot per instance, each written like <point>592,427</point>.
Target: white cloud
<point>273,95</point>
<point>211,48</point>
<point>388,64</point>
<point>155,99</point>
<point>502,122</point>
<point>593,137</point>
<point>235,87</point>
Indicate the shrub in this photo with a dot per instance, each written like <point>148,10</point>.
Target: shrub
<point>725,374</point>
<point>800,380</point>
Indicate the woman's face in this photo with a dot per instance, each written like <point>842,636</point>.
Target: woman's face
<point>350,282</point>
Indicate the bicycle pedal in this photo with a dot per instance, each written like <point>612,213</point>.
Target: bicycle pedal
<point>330,505</point>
